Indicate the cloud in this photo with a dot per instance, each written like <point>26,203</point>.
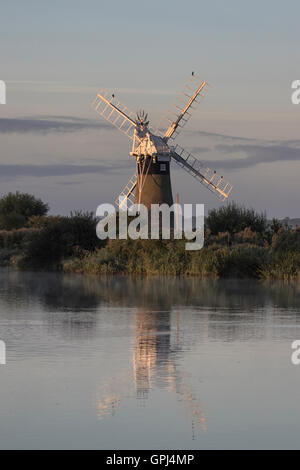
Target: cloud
<point>49,124</point>
<point>12,171</point>
<point>252,152</point>
<point>223,136</point>
<point>68,183</point>
<point>255,155</point>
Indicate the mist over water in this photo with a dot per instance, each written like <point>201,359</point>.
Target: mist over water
<point>122,363</point>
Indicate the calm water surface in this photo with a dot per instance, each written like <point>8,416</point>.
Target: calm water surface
<point>124,363</point>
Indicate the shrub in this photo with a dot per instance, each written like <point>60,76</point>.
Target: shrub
<point>286,241</point>
<point>6,255</point>
<point>41,221</point>
<point>15,238</point>
<point>208,262</point>
<point>284,265</point>
<point>233,219</point>
<point>246,262</point>
<point>275,225</point>
<point>17,208</point>
<point>62,237</point>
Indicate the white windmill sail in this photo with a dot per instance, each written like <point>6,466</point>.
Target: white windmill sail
<point>126,198</point>
<point>181,111</point>
<point>209,178</point>
<point>114,112</point>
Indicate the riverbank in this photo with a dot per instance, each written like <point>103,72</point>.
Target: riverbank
<point>171,258</point>
<point>244,255</point>
<point>238,243</point>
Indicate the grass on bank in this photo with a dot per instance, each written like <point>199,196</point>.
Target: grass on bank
<point>238,243</point>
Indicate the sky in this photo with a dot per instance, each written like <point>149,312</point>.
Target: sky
<point>55,56</point>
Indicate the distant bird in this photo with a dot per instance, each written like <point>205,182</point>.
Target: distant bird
<point>113,95</point>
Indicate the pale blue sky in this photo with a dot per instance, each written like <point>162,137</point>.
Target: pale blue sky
<point>56,55</point>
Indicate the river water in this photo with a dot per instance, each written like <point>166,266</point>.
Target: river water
<point>131,363</point>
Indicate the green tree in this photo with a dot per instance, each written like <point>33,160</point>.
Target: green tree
<point>233,219</point>
<point>63,237</point>
<point>17,208</point>
<point>275,225</point>
<point>286,241</point>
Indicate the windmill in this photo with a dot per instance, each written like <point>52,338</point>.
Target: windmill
<point>153,150</point>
